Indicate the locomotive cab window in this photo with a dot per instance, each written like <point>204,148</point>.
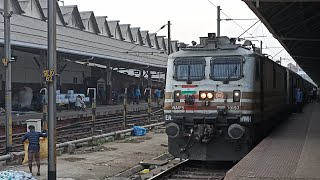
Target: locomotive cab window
<point>226,68</point>
<point>189,68</point>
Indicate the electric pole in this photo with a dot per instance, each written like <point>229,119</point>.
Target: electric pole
<point>51,80</point>
<point>218,21</point>
<point>169,38</point>
<point>7,63</point>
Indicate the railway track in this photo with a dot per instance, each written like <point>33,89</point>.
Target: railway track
<point>82,128</point>
<point>194,170</point>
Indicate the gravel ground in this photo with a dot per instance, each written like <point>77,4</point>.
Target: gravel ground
<point>106,160</point>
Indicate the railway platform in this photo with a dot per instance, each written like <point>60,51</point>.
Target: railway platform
<point>20,117</point>
<point>291,151</point>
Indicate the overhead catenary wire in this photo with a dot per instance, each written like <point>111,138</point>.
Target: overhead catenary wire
<point>255,30</point>
<point>278,53</point>
<point>246,31</point>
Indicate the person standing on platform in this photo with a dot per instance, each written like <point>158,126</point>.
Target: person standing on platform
<point>34,146</point>
<point>137,95</point>
<point>314,95</point>
<point>299,100</point>
<point>318,94</point>
<point>158,96</point>
<point>130,95</point>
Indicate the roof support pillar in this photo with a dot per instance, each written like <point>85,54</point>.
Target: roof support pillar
<point>109,82</point>
<point>149,78</point>
<point>141,78</point>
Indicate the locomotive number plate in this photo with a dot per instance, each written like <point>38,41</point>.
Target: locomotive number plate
<point>233,107</point>
<point>177,107</point>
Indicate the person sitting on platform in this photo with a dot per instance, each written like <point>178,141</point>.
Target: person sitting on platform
<point>34,146</point>
<point>2,111</point>
<point>80,105</point>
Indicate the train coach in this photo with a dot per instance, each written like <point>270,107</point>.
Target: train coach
<point>222,98</point>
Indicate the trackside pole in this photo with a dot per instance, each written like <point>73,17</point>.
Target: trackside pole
<point>149,106</point>
<point>50,75</point>
<point>7,63</point>
<point>125,108</point>
<point>94,109</point>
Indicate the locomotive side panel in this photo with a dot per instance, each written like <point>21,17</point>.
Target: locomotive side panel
<point>275,92</point>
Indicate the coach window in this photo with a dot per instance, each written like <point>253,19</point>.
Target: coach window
<point>189,68</point>
<point>226,68</point>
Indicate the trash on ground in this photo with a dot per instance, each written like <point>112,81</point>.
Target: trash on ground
<point>16,175</point>
<point>145,171</point>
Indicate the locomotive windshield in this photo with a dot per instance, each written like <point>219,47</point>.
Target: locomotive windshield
<point>189,68</point>
<point>226,68</point>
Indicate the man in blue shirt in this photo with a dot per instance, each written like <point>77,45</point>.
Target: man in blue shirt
<point>158,96</point>
<point>299,99</point>
<point>137,95</point>
<point>34,146</point>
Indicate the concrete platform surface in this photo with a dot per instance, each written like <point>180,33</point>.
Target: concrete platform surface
<point>107,160</point>
<point>292,151</point>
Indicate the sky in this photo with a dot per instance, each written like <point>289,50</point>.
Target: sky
<point>190,19</point>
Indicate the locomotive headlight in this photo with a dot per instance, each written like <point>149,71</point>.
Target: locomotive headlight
<point>236,96</point>
<point>176,96</point>
<point>203,95</point>
<point>210,95</point>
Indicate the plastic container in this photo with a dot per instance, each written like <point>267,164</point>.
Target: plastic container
<point>87,99</point>
<point>70,91</point>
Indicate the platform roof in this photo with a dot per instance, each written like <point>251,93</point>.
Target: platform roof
<point>296,24</point>
<point>82,35</point>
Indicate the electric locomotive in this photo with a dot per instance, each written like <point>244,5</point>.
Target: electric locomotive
<point>221,98</point>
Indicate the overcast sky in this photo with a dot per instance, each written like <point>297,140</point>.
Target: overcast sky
<point>190,19</point>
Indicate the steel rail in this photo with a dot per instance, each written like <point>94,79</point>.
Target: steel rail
<point>10,156</point>
<point>169,170</point>
<point>103,124</point>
